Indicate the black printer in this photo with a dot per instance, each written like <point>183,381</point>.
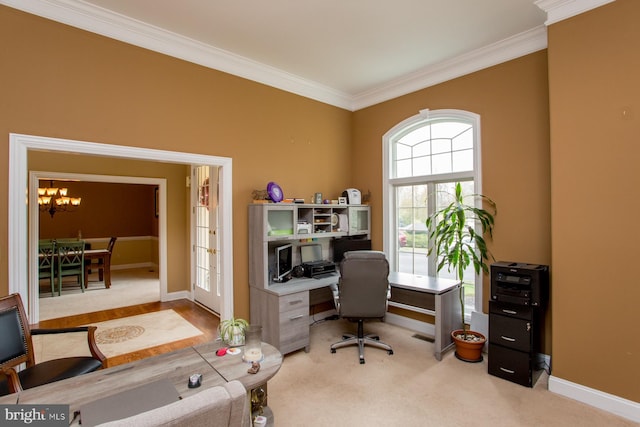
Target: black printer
<point>519,283</point>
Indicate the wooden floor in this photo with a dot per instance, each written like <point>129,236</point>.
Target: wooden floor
<point>195,314</point>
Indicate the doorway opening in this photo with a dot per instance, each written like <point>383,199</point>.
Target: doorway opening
<point>23,245</point>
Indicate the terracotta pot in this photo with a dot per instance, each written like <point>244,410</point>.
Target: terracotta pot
<point>469,351</point>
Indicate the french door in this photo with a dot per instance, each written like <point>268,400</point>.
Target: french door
<point>205,236</point>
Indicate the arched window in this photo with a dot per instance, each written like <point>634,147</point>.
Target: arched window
<point>424,156</point>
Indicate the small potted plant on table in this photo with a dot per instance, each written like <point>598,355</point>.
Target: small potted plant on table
<point>452,234</point>
<point>232,331</point>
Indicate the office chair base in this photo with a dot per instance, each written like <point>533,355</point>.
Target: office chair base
<point>361,340</point>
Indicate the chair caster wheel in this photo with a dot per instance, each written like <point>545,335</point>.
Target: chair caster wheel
<point>390,352</point>
<point>362,361</point>
<point>333,350</point>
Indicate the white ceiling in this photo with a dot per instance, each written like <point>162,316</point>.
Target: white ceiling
<point>349,53</point>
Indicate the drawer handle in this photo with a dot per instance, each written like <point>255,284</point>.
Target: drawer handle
<point>509,311</point>
<point>299,316</point>
<point>508,371</point>
<point>298,301</point>
<point>507,338</point>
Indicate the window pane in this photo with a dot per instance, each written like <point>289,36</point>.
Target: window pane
<point>416,136</point>
<point>440,145</point>
<point>464,140</point>
<point>422,149</point>
<point>448,129</point>
<point>402,152</point>
<point>403,168</point>
<point>441,163</point>
<point>462,161</point>
<point>421,166</point>
<point>411,215</point>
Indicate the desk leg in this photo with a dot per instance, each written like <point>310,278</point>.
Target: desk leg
<point>448,318</point>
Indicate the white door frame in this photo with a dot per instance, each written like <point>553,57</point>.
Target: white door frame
<point>18,253</point>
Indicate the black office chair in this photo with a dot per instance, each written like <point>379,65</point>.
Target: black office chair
<point>362,295</point>
<point>16,348</point>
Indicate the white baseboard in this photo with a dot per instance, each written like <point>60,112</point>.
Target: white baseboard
<point>173,296</point>
<point>605,401</point>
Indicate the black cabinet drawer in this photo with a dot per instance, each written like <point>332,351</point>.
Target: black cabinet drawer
<point>511,310</point>
<point>512,365</point>
<point>511,332</point>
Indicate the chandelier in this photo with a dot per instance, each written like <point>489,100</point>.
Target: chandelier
<point>53,199</point>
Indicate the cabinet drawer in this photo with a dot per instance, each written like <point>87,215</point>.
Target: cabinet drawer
<point>294,329</point>
<point>510,332</point>
<point>511,310</point>
<point>294,301</point>
<point>510,364</point>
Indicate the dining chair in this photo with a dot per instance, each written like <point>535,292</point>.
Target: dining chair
<point>100,265</point>
<point>70,261</point>
<point>46,262</point>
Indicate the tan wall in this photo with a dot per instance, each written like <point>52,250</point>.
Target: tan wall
<point>107,209</point>
<point>594,64</point>
<point>59,81</point>
<point>512,102</point>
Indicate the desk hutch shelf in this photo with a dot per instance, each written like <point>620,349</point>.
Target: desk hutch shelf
<point>283,308</point>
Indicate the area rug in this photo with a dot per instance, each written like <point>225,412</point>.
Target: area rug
<point>119,336</point>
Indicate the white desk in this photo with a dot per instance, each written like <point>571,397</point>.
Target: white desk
<point>429,295</point>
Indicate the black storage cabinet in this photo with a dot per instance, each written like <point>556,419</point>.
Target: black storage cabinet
<point>516,327</point>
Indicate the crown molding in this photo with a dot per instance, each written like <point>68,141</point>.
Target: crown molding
<point>79,14</point>
<point>559,10</point>
<point>109,24</point>
<point>488,56</point>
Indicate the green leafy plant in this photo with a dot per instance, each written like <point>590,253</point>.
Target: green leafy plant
<point>453,236</point>
<point>232,331</point>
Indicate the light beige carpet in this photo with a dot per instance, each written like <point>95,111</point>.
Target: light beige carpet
<point>410,388</point>
<point>119,336</point>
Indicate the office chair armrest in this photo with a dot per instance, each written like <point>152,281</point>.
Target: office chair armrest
<point>13,381</point>
<point>91,338</point>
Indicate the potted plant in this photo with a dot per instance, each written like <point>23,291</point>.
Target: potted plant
<point>232,331</point>
<point>453,236</point>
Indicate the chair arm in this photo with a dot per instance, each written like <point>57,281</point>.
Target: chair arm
<point>93,347</point>
<point>13,381</point>
<point>91,338</point>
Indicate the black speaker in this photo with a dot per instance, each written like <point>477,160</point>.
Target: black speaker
<point>298,271</point>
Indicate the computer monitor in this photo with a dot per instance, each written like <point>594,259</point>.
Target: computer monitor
<point>311,253</point>
<point>284,263</point>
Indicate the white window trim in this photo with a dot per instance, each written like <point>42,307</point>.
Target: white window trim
<point>388,215</point>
